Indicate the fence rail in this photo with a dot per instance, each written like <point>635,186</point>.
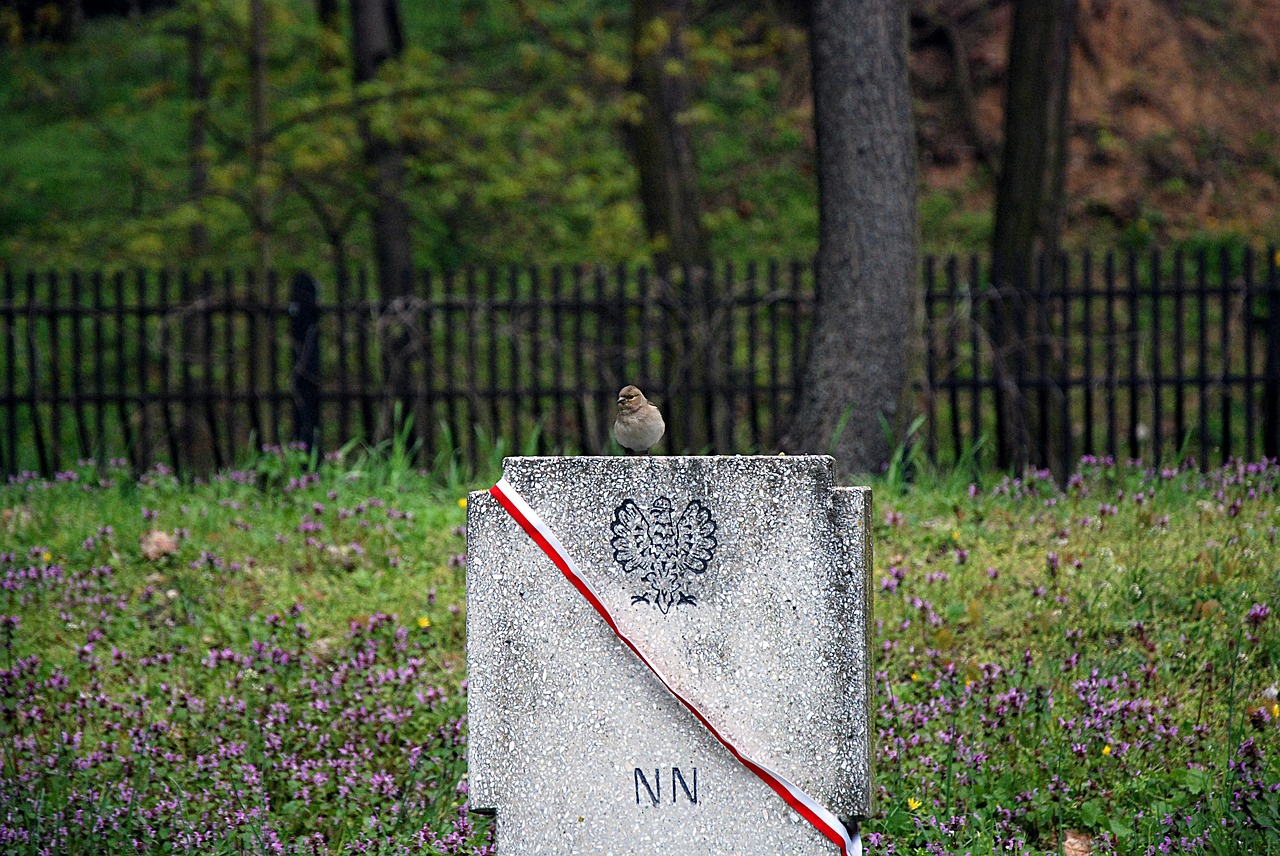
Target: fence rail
<point>1154,355</point>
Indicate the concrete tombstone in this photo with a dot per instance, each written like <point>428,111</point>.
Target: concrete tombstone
<point>745,580</point>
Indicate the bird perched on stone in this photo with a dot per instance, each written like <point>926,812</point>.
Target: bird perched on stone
<point>639,425</point>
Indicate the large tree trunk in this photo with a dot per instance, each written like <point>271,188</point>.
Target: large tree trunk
<point>1030,192</point>
<point>378,37</point>
<point>866,268</point>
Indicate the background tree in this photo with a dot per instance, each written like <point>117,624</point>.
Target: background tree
<point>866,266</point>
<point>666,162</point>
<point>1030,193</point>
<point>377,37</point>
<point>667,169</point>
<point>259,213</point>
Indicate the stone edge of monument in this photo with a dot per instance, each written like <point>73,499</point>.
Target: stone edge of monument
<point>851,512</point>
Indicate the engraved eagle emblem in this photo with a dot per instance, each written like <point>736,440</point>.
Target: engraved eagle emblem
<point>663,550</point>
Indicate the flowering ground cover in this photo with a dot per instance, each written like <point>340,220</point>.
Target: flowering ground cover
<point>1088,670</point>
<point>273,661</point>
<point>270,662</point>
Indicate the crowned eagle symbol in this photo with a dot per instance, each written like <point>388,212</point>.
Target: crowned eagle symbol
<point>663,550</point>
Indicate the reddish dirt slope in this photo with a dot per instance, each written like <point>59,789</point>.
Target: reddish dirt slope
<point>1175,111</point>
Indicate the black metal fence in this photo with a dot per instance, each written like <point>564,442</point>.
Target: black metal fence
<point>1159,355</point>
<point>1156,356</point>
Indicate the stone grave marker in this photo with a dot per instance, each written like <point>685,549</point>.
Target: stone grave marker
<point>743,581</point>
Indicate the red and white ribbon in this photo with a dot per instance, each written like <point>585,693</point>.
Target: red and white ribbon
<point>807,807</point>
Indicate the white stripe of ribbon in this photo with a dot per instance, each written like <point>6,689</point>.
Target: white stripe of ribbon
<point>807,807</point>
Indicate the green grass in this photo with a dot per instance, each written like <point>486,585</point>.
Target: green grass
<point>1086,660</point>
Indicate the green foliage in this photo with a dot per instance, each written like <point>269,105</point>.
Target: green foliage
<point>490,164</point>
<point>948,225</point>
<point>513,117</point>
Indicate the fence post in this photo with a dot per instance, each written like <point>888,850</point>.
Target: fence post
<point>304,378</point>
<point>1271,387</point>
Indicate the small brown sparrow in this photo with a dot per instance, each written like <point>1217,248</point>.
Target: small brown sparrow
<point>639,425</point>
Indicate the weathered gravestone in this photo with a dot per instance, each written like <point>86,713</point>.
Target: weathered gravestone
<point>743,581</point>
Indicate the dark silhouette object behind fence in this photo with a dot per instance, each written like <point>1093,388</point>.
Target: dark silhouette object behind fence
<point>1157,356</point>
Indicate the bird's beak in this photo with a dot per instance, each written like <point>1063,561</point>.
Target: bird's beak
<point>620,401</point>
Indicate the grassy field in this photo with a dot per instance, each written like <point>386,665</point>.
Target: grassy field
<point>272,661</point>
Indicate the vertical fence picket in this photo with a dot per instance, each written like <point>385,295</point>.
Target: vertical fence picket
<point>930,358</point>
<point>275,393</point>
<point>1202,353</point>
<point>426,405</point>
<point>98,346</point>
<point>342,362</point>
<point>1064,364</point>
<point>974,300</point>
<point>1132,296</point>
<point>121,376</point>
<point>10,460</point>
<point>666,349</point>
<point>164,317</point>
<point>183,349</point>
<point>76,314</point>
<point>617,330</point>
<point>602,385</point>
<point>232,349</point>
<point>33,376</point>
<point>515,334</point>
<point>368,314</point>
<point>711,356</point>
<point>1271,386</point>
<point>1157,346</point>
<point>1179,354</point>
<point>773,291</point>
<point>1044,360</point>
<point>252,311</point>
<point>1248,320</point>
<point>584,392</point>
<point>143,311</point>
<point>555,429</point>
<point>725,377</point>
<point>995,312</point>
<point>471,312</point>
<point>753,370</point>
<point>535,352</point>
<point>1087,382</point>
<point>1021,307</point>
<point>490,333</point>
<point>1109,274</point>
<point>796,369</point>
<point>304,368</point>
<point>53,315</point>
<point>949,307</point>
<point>648,367</point>
<point>1224,286</point>
<point>208,393</point>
